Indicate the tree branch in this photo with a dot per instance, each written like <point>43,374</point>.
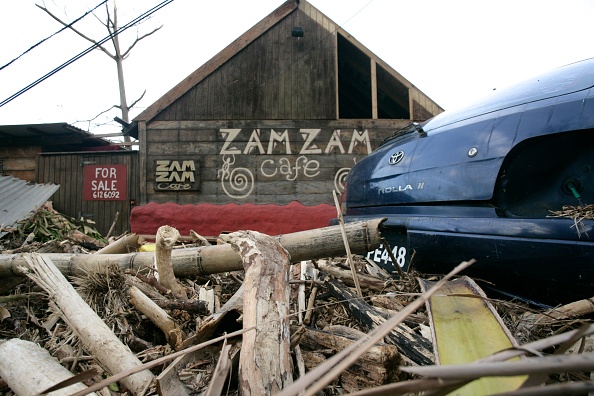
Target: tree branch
<point>76,31</point>
<point>125,54</point>
<point>137,100</point>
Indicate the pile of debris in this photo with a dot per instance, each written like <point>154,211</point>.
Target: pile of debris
<point>254,314</point>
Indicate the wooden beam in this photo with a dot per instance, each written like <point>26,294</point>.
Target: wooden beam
<point>373,89</point>
<point>142,149</point>
<point>364,123</point>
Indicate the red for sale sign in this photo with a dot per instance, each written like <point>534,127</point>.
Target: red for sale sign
<point>105,182</point>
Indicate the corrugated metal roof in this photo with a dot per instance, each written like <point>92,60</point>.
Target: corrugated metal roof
<point>55,134</point>
<point>19,198</point>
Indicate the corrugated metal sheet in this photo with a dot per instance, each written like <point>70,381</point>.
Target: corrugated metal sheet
<point>19,198</point>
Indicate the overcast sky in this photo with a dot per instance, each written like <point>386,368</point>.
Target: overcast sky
<point>452,50</point>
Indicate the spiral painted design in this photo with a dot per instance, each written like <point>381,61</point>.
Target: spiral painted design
<point>340,179</point>
<point>239,180</point>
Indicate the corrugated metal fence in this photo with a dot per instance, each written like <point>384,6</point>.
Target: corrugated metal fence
<point>67,170</point>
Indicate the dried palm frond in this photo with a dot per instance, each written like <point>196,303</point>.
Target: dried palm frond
<point>104,289</point>
<point>577,213</point>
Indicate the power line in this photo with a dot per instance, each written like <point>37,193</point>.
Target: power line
<point>85,52</point>
<point>59,31</point>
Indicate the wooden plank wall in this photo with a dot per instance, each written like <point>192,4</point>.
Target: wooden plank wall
<point>262,162</point>
<point>19,161</point>
<point>275,77</point>
<point>66,169</point>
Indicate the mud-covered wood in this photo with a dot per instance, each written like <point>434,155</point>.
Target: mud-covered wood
<point>377,366</point>
<point>411,345</point>
<point>265,360</point>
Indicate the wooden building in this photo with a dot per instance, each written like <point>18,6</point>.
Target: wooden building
<point>62,154</point>
<point>21,144</point>
<point>280,115</point>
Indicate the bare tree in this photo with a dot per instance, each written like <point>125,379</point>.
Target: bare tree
<point>111,24</point>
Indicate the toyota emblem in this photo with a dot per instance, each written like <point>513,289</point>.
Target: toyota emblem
<point>396,157</point>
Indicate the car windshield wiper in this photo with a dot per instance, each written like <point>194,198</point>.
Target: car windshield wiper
<point>414,127</point>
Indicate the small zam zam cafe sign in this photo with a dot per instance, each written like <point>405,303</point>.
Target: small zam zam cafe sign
<point>105,182</point>
<point>177,175</point>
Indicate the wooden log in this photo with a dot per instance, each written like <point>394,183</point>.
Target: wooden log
<point>28,369</point>
<point>92,331</point>
<point>166,238</point>
<point>126,244</point>
<point>324,242</point>
<point>158,316</point>
<point>377,366</point>
<point>411,346</point>
<point>367,282</point>
<point>265,360</point>
<point>569,311</point>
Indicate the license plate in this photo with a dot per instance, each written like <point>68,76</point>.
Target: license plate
<point>400,251</point>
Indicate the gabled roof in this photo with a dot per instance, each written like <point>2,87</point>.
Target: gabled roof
<point>219,59</point>
<point>242,42</point>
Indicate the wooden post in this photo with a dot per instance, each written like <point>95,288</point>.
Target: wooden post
<point>265,359</point>
<point>92,331</point>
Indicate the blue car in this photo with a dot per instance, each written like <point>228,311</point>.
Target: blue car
<point>507,181</point>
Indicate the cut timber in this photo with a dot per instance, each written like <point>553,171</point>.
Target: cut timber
<point>158,316</point>
<point>28,369</point>
<point>466,328</point>
<point>411,345</point>
<point>265,360</point>
<point>92,331</point>
<point>166,238</point>
<point>364,236</point>
<point>377,366</point>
